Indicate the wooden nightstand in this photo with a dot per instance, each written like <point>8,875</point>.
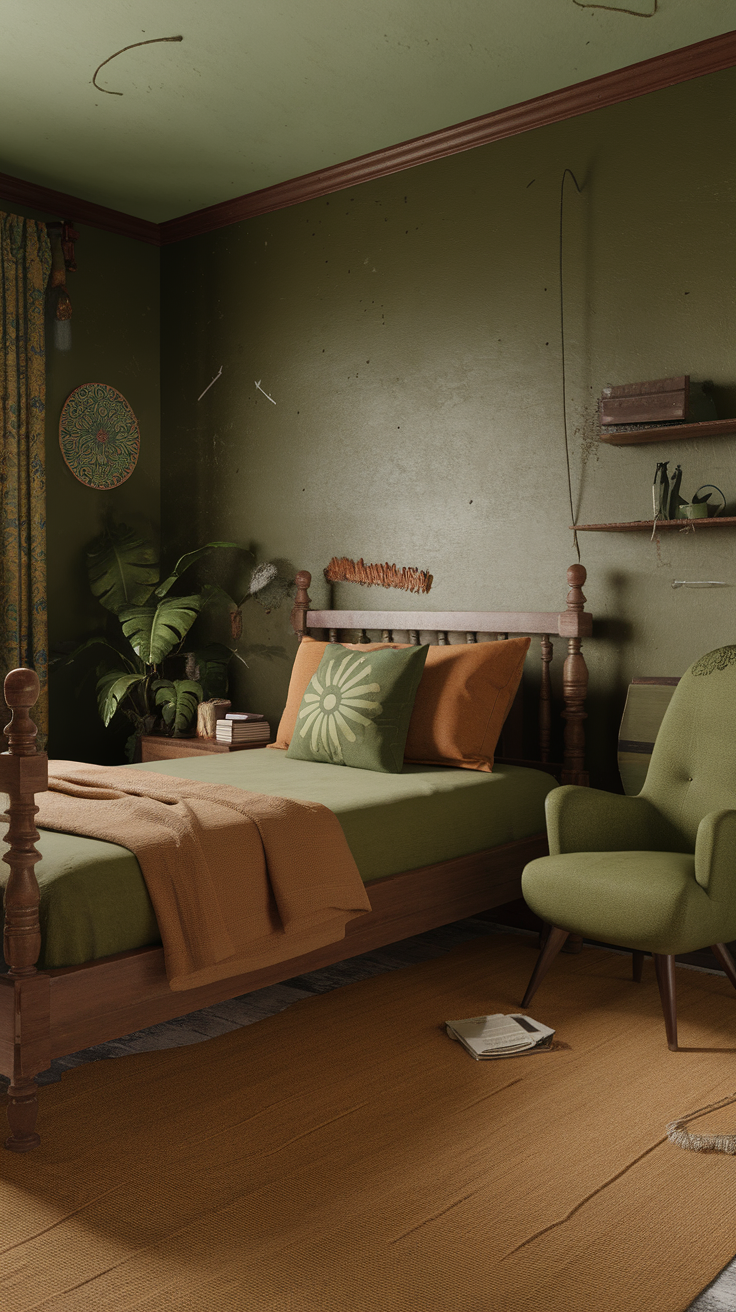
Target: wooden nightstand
<point>156,747</point>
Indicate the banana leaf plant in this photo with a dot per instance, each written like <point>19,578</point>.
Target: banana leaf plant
<point>178,699</point>
<point>152,626</point>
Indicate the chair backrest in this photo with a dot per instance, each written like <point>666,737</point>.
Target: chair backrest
<point>693,766</point>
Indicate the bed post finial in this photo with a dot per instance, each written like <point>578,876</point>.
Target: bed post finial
<point>24,772</point>
<point>301,604</point>
<point>576,576</point>
<point>21,693</point>
<point>574,624</point>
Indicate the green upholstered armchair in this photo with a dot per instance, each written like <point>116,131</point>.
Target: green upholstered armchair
<point>654,873</point>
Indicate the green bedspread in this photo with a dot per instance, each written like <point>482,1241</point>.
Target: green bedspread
<point>94,901</point>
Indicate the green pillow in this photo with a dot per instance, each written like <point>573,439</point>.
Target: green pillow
<point>357,708</point>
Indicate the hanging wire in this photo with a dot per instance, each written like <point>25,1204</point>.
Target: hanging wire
<point>562,344</point>
<point>616,9</point>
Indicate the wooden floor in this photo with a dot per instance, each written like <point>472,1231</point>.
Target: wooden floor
<point>237,1012</point>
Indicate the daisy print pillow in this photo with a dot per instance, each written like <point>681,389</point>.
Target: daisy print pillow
<point>357,707</point>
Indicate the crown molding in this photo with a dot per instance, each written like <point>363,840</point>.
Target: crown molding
<point>63,206</point>
<point>666,70</point>
<point>711,56</point>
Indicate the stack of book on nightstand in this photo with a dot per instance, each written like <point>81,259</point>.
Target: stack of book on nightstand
<point>242,727</point>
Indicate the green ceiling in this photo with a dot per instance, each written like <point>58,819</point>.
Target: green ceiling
<point>264,90</point>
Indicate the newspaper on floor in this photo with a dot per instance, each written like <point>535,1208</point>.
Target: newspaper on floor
<point>488,1037</point>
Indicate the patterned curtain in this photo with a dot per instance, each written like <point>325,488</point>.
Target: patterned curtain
<point>25,262</point>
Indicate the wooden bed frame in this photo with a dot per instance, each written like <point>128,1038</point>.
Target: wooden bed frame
<point>51,1013</point>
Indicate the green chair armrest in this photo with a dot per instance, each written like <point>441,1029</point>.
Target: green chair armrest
<point>589,820</point>
<point>715,857</point>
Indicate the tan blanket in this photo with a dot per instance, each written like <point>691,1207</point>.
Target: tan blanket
<point>238,880</point>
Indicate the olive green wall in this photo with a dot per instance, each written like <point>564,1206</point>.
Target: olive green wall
<point>115,340</point>
<point>408,332</point>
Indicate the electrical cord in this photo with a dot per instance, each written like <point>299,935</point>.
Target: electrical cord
<point>562,344</point>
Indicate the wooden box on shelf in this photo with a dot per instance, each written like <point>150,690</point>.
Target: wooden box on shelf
<point>157,747</point>
<point>630,414</point>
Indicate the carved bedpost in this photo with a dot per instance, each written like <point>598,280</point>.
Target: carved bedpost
<point>301,604</point>
<point>23,772</point>
<point>575,624</point>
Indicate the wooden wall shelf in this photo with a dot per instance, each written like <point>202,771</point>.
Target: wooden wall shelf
<point>671,433</point>
<point>724,521</point>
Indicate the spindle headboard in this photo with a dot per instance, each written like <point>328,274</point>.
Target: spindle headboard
<point>574,623</point>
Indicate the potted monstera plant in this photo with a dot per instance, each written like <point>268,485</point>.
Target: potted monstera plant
<point>151,625</point>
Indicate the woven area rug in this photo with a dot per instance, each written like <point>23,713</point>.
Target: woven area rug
<point>346,1156</point>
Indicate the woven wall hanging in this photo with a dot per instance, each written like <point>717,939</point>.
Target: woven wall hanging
<point>99,436</point>
<point>343,570</point>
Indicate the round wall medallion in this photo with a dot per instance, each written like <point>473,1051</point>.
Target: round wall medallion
<point>99,436</point>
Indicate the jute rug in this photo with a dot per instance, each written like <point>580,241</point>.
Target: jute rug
<point>346,1156</point>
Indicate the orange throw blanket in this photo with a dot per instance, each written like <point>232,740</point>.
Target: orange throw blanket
<point>238,880</point>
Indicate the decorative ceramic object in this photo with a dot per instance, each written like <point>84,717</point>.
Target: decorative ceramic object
<point>661,491</point>
<point>700,507</point>
<point>99,436</point>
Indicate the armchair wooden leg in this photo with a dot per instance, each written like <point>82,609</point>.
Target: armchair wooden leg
<point>665,968</point>
<point>724,958</point>
<point>554,942</point>
<point>637,966</point>
<point>574,943</point>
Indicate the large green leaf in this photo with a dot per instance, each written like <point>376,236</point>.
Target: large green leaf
<point>212,663</point>
<point>112,688</point>
<point>154,631</point>
<point>122,567</point>
<point>189,558</point>
<point>179,699</point>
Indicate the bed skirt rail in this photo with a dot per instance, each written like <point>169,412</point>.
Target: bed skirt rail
<point>101,1000</point>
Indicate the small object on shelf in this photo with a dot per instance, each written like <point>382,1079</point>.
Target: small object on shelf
<point>636,406</point>
<point>675,500</point>
<point>663,400</point>
<point>694,511</point>
<point>667,504</point>
<point>208,713</point>
<point>245,716</point>
<point>660,410</point>
<point>661,491</point>
<point>699,507</point>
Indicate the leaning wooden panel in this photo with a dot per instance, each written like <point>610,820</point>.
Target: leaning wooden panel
<point>104,999</point>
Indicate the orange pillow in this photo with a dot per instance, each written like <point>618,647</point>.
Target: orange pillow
<point>462,701</point>
<point>463,698</point>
